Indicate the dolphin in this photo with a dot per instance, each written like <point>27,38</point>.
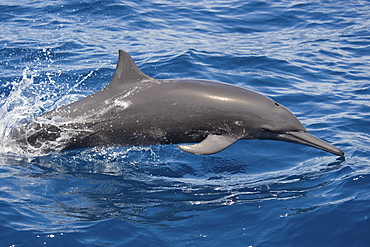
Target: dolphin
<point>203,116</point>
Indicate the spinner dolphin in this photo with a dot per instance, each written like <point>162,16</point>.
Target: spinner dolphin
<point>135,109</point>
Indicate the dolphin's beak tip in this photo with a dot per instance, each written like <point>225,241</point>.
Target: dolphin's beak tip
<point>336,151</point>
<point>310,140</point>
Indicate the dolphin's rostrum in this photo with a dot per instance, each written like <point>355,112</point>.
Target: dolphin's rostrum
<point>135,109</point>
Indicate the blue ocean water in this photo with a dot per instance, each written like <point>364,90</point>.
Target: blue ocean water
<point>311,56</point>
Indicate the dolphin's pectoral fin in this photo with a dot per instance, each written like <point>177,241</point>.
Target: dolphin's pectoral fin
<point>212,144</point>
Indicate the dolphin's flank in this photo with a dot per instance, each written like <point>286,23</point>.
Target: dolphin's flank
<point>135,109</point>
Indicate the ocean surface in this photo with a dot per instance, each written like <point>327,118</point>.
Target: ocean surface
<point>311,56</point>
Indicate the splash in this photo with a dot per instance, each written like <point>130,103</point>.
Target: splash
<point>30,96</point>
<point>18,107</point>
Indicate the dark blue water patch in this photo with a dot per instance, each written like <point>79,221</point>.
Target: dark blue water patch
<point>10,237</point>
<point>329,229</point>
<point>130,15</point>
<point>76,8</point>
<point>251,17</point>
<point>10,12</point>
<point>178,66</point>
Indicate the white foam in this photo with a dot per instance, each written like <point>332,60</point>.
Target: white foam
<point>30,96</point>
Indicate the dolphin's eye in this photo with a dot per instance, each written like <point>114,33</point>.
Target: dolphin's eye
<point>277,104</point>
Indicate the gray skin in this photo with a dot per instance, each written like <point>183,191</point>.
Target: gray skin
<point>135,109</point>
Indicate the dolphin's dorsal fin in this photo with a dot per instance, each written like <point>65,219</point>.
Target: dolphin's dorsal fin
<point>126,70</point>
<point>212,144</point>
